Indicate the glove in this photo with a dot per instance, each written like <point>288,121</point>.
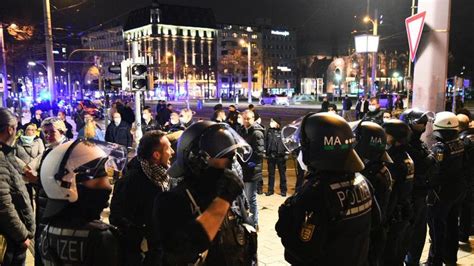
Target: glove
<point>251,164</point>
<point>229,186</point>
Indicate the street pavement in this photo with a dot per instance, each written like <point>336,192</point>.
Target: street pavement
<point>270,249</point>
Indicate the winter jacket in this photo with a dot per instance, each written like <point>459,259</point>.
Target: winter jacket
<point>119,134</point>
<point>152,125</point>
<point>274,147</point>
<point>17,218</point>
<point>29,154</point>
<point>255,137</point>
<point>376,117</point>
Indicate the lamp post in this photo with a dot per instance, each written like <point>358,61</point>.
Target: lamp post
<point>48,36</point>
<point>413,7</point>
<point>375,24</point>
<point>176,91</point>
<point>249,67</point>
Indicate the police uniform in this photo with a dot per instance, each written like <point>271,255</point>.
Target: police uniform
<point>399,210</point>
<point>465,219</point>
<point>335,211</point>
<point>448,187</point>
<point>90,244</point>
<point>424,166</point>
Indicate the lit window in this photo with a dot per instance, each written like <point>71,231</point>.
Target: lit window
<point>254,36</point>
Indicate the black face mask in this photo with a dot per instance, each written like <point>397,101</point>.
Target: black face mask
<point>91,202</point>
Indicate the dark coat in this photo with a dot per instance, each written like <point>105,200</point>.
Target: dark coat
<point>132,204</point>
<point>274,147</point>
<point>365,107</point>
<point>152,125</point>
<point>232,118</point>
<point>119,134</point>
<point>17,219</point>
<point>163,116</point>
<point>255,137</point>
<point>69,134</point>
<point>376,117</point>
<point>346,104</point>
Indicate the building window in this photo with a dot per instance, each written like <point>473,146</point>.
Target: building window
<point>254,36</point>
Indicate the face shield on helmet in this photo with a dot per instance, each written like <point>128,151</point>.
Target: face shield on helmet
<point>234,144</point>
<point>291,135</point>
<point>76,162</point>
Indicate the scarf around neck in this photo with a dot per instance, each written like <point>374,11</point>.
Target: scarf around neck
<point>156,174</point>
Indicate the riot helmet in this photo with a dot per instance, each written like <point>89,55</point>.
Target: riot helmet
<point>69,165</point>
<point>416,119</point>
<point>371,142</point>
<point>445,125</point>
<point>399,131</point>
<point>207,140</point>
<point>326,142</point>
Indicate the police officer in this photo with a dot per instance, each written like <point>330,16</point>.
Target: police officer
<point>333,211</point>
<point>448,187</point>
<point>74,177</point>
<point>466,134</point>
<point>399,210</point>
<point>370,145</point>
<point>204,220</point>
<point>424,165</point>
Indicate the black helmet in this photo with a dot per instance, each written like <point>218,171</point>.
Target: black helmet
<point>204,140</point>
<point>397,129</point>
<point>413,117</point>
<point>371,142</point>
<point>326,141</point>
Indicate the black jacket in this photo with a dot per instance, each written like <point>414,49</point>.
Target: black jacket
<point>346,104</point>
<point>119,134</point>
<point>376,117</point>
<point>467,137</point>
<point>425,164</point>
<point>69,134</point>
<point>163,116</point>
<point>232,118</point>
<point>183,238</point>
<point>317,223</point>
<point>274,147</point>
<point>132,205</point>
<point>152,125</point>
<point>365,108</point>
<point>381,180</point>
<point>403,170</point>
<point>255,137</point>
<point>75,244</point>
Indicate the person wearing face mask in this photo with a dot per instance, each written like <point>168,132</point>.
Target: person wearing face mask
<point>132,201</point>
<point>370,145</point>
<point>119,132</point>
<point>324,218</point>
<point>374,114</point>
<point>205,219</point>
<point>75,178</point>
<point>425,164</point>
<point>186,117</point>
<point>17,223</point>
<point>148,123</point>
<point>400,206</point>
<point>174,124</point>
<point>447,190</point>
<point>220,116</point>
<point>28,151</point>
<point>277,155</point>
<point>62,116</point>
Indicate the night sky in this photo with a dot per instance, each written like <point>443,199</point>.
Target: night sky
<point>325,24</point>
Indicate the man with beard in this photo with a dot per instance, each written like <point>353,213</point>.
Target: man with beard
<point>75,178</point>
<point>132,203</point>
<point>204,220</point>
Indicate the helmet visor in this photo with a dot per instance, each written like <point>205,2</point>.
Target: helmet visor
<point>240,149</point>
<point>291,135</point>
<point>111,163</point>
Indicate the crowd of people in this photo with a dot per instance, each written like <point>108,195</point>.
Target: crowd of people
<point>368,188</point>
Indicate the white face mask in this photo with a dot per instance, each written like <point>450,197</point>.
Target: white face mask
<point>147,117</point>
<point>372,108</point>
<point>117,121</point>
<point>273,124</point>
<point>300,161</point>
<point>183,120</point>
<point>385,120</point>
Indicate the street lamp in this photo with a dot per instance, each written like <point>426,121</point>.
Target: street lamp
<point>169,54</point>
<point>249,67</point>
<point>375,24</point>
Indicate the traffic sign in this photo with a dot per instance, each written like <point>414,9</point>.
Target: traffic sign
<point>414,25</point>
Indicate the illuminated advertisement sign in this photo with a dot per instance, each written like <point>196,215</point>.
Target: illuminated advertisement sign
<point>281,33</point>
